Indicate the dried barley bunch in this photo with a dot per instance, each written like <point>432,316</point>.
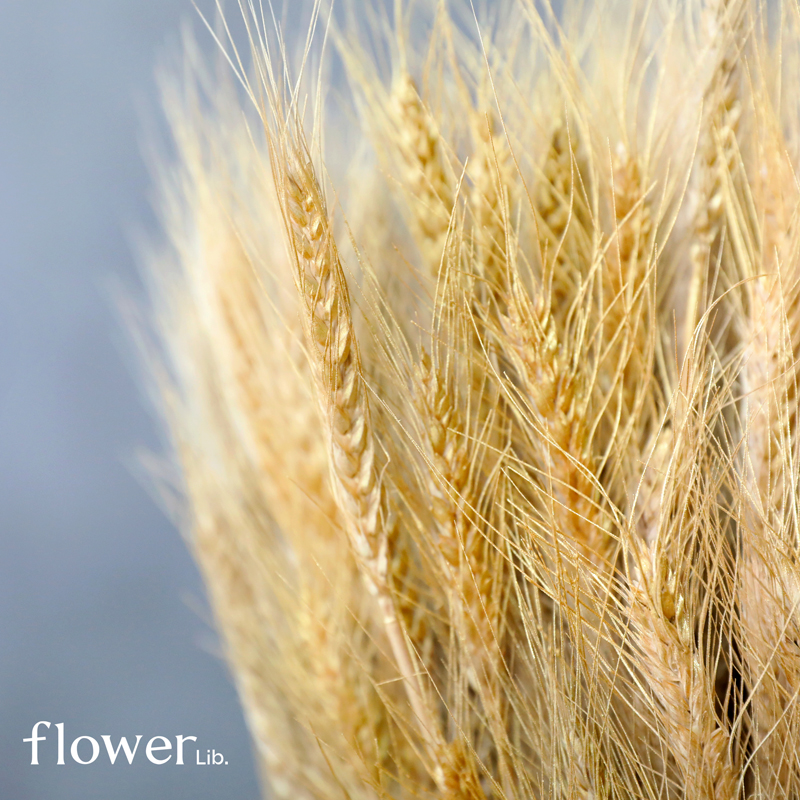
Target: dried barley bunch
<point>482,376</point>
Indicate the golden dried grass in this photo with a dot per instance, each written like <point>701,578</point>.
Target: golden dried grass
<point>490,444</point>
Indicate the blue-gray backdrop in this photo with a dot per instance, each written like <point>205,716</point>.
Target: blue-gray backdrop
<point>101,608</point>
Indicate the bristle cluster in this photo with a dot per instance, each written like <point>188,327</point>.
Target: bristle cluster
<point>490,442</point>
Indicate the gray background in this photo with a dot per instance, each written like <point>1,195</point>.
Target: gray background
<point>99,626</point>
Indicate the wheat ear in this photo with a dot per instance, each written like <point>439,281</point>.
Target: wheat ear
<point>342,395</point>
<point>491,201</point>
<point>682,688</point>
<point>563,216</point>
<point>431,194</point>
<point>717,150</point>
<point>770,577</point>
<point>628,313</point>
<point>668,617</point>
<point>556,408</point>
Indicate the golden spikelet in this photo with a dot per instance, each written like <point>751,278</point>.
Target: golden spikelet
<point>337,369</point>
<point>425,173</point>
<point>491,201</point>
<point>768,588</point>
<point>345,410</point>
<point>717,150</point>
<point>557,397</point>
<point>461,538</point>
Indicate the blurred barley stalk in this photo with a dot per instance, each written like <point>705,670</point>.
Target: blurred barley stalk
<point>482,377</point>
